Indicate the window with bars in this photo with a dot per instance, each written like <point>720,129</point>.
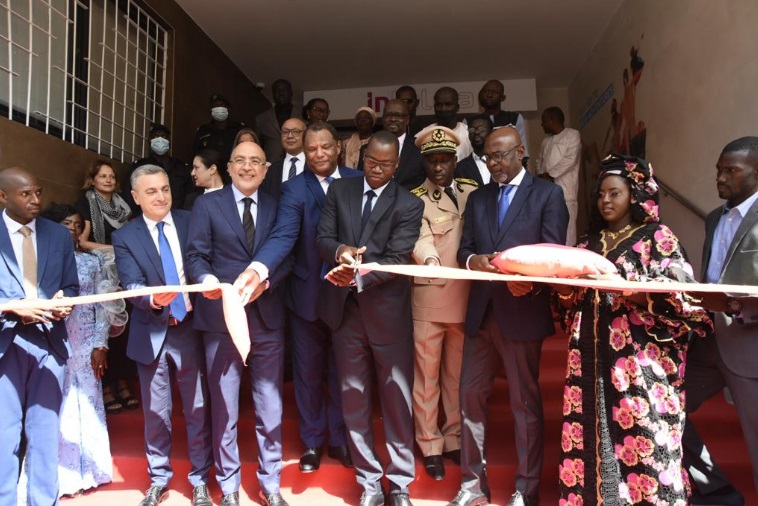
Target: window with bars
<point>92,72</point>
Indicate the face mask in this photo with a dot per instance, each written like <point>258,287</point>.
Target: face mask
<point>160,145</point>
<point>220,113</point>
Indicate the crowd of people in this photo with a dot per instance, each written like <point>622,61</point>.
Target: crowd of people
<point>285,212</point>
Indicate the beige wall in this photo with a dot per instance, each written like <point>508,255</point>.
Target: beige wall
<point>197,68</point>
<point>697,92</point>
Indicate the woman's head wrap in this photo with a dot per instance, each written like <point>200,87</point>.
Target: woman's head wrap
<point>639,174</point>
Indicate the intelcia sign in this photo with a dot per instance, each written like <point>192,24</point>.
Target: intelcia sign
<point>521,95</point>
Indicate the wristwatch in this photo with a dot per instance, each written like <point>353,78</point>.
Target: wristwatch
<point>734,306</point>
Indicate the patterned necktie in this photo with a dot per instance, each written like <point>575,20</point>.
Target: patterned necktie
<point>170,272</point>
<point>450,193</point>
<point>248,224</point>
<point>293,168</point>
<point>367,209</point>
<point>29,263</point>
<point>503,204</point>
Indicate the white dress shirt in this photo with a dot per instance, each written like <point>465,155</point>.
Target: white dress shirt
<point>324,183</point>
<point>724,235</point>
<point>17,238</point>
<point>483,170</point>
<point>299,165</point>
<point>172,236</point>
<point>378,192</point>
<point>401,140</point>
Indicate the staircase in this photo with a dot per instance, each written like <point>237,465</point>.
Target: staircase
<point>333,485</point>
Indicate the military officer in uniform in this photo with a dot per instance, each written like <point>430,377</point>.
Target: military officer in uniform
<point>439,305</point>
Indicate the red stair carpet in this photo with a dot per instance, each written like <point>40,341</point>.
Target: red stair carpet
<point>333,485</point>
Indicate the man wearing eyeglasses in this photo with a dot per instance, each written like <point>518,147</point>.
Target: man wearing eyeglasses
<point>505,325</point>
<point>473,166</point>
<point>226,229</point>
<point>370,314</point>
<point>293,163</point>
<point>410,170</point>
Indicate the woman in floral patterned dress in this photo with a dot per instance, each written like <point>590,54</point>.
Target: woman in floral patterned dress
<point>623,404</point>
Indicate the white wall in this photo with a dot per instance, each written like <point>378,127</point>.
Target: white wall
<point>697,92</point>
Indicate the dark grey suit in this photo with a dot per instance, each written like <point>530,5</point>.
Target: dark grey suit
<point>503,328</point>
<point>372,325</point>
<point>728,359</point>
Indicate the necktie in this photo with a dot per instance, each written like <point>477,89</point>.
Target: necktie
<point>503,203</point>
<point>248,224</point>
<point>450,193</point>
<point>177,306</point>
<point>328,180</point>
<point>367,208</point>
<point>293,168</point>
<point>29,263</point>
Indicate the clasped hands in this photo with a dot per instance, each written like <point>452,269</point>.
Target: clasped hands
<point>483,263</point>
<point>35,315</point>
<point>344,273</point>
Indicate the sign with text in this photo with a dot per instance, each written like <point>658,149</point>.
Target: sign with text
<point>521,95</point>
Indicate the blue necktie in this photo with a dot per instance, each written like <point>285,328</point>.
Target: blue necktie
<point>177,306</point>
<point>367,209</point>
<point>503,203</point>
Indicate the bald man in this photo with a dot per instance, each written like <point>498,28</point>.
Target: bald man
<point>505,326</point>
<point>37,263</point>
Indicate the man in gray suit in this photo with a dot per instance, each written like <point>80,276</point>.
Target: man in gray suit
<point>731,358</point>
<point>269,122</point>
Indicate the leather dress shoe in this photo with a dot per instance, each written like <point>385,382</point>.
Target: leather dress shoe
<point>726,496</point>
<point>341,453</point>
<point>232,499</point>
<point>519,499</point>
<point>454,455</point>
<point>200,496</point>
<point>274,499</point>
<point>399,500</point>
<point>311,460</point>
<point>469,498</point>
<point>154,496</point>
<point>435,467</point>
<point>372,499</point>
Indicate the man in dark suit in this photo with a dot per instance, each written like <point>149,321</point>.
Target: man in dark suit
<point>293,163</point>
<point>295,232</point>
<point>410,170</point>
<point>228,226</point>
<point>473,166</point>
<point>730,358</point>
<point>271,121</point>
<point>150,252</point>
<point>36,262</point>
<point>370,315</point>
<point>505,325</point>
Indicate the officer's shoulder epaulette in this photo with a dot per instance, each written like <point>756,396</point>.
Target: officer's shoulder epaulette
<point>419,191</point>
<point>466,181</point>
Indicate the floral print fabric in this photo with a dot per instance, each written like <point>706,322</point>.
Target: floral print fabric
<point>623,405</point>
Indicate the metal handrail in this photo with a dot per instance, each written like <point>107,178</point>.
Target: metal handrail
<point>682,200</point>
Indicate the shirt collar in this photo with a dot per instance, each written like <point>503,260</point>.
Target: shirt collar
<point>14,226</point>
<point>746,204</point>
<point>378,191</point>
<point>151,224</point>
<point>238,195</point>
<point>335,175</point>
<point>289,157</point>
<point>516,181</point>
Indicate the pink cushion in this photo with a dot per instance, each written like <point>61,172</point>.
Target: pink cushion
<point>552,260</point>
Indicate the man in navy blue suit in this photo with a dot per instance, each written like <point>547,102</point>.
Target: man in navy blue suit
<point>505,325</point>
<point>150,252</point>
<point>295,232</point>
<point>227,228</point>
<point>36,262</point>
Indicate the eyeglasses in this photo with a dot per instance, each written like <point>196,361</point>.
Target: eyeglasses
<point>498,157</point>
<point>295,132</point>
<point>479,130</point>
<point>370,163</point>
<point>394,115</point>
<point>253,162</point>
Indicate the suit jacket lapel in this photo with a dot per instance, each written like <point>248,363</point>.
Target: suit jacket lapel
<point>491,208</point>
<point>266,218</point>
<point>228,208</point>
<point>6,250</point>
<point>146,240</point>
<point>522,192</point>
<point>748,222</point>
<point>182,229</point>
<point>355,199</point>
<point>710,227</point>
<point>43,247</point>
<point>383,203</point>
<point>314,186</point>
